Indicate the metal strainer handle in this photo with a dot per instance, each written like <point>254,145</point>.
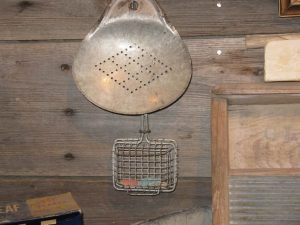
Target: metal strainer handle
<point>144,129</point>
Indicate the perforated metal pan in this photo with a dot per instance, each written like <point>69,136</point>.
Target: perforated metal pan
<point>133,62</point>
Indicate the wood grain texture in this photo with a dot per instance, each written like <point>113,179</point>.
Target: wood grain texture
<point>264,136</point>
<point>289,8</point>
<point>264,200</point>
<point>257,89</point>
<point>265,172</point>
<point>260,40</point>
<point>72,19</point>
<point>281,61</point>
<point>50,129</point>
<point>195,216</point>
<point>295,2</point>
<point>103,205</point>
<point>220,162</point>
<point>268,99</point>
<point>260,141</point>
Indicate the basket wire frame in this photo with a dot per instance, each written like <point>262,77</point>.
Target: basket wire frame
<point>142,166</point>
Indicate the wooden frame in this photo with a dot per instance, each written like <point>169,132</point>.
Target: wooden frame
<point>220,161</point>
<point>288,8</point>
<point>243,95</point>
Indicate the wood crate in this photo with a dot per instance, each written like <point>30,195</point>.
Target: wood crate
<point>256,154</point>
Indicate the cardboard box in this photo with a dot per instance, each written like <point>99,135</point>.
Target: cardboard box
<point>52,210</point>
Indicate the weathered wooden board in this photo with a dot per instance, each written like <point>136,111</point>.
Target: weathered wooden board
<point>289,8</point>
<point>50,129</point>
<point>101,204</point>
<point>260,40</point>
<point>72,19</point>
<point>220,164</point>
<point>282,61</point>
<point>264,136</point>
<point>257,89</point>
<point>264,200</point>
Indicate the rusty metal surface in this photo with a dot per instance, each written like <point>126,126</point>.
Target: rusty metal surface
<point>133,62</point>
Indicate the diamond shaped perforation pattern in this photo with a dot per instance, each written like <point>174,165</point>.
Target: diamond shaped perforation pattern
<point>133,68</point>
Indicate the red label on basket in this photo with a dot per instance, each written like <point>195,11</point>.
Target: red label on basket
<point>129,182</point>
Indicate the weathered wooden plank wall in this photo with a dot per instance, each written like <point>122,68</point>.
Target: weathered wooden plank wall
<point>102,205</point>
<point>49,128</point>
<point>45,118</point>
<point>72,19</point>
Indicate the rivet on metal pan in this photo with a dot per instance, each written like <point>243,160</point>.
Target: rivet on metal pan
<point>133,5</point>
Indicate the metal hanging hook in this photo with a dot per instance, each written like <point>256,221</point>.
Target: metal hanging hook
<point>145,124</point>
<point>133,5</point>
<point>144,128</point>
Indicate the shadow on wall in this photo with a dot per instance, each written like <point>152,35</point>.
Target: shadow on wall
<point>196,216</point>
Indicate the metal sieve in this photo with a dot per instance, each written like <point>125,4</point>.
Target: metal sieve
<point>143,166</point>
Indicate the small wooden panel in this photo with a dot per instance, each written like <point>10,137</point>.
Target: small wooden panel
<point>295,2</point>
<point>288,8</point>
<point>264,200</point>
<point>282,61</point>
<point>264,136</point>
<point>101,204</point>
<point>72,19</point>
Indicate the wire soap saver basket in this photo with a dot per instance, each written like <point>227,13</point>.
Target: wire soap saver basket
<point>142,166</point>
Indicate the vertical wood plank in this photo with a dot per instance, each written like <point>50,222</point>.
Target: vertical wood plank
<point>220,162</point>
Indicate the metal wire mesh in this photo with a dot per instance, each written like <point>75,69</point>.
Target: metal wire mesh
<point>143,166</point>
